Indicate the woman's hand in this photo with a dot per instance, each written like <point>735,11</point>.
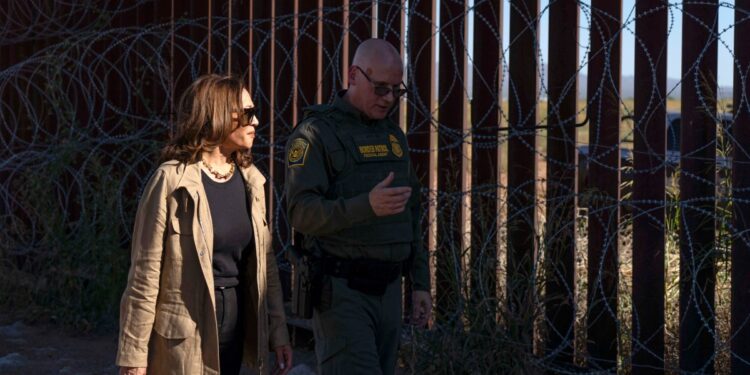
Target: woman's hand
<point>132,371</point>
<point>283,360</point>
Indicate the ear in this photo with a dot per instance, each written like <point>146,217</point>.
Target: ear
<point>352,75</point>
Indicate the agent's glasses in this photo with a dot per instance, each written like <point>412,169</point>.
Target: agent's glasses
<point>383,90</point>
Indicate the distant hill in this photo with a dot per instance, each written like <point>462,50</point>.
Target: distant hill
<point>627,85</point>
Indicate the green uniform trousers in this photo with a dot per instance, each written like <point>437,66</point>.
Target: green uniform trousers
<point>356,333</point>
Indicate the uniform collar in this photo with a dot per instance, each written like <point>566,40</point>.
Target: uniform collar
<point>347,108</point>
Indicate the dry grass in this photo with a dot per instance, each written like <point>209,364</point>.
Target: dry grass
<point>491,348</point>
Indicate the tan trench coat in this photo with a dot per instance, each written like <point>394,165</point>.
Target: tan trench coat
<point>167,313</point>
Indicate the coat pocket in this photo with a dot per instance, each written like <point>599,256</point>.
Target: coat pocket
<point>174,326</point>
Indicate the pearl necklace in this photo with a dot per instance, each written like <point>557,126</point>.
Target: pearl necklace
<point>218,175</point>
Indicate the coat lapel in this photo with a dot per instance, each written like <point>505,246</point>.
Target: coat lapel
<point>256,186</point>
<point>202,224</point>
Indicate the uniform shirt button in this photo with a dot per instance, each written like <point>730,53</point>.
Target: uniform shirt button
<point>201,253</point>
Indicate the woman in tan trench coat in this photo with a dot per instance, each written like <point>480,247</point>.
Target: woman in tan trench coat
<point>203,290</point>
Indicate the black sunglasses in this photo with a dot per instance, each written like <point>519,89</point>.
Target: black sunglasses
<point>380,90</point>
<point>248,114</point>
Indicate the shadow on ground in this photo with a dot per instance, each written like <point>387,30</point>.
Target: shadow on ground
<point>47,349</point>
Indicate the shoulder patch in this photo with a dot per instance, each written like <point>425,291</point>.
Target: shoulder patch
<point>297,152</point>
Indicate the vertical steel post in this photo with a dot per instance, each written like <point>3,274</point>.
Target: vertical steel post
<point>649,183</point>
<point>740,321</point>
<point>421,104</point>
<point>698,186</point>
<point>360,24</point>
<point>307,42</point>
<point>604,181</point>
<point>263,74</point>
<point>452,108</point>
<point>284,102</point>
<point>334,54</point>
<point>485,110</point>
<point>560,239</point>
<point>523,93</point>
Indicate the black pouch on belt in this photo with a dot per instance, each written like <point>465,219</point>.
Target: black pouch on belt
<point>367,276</point>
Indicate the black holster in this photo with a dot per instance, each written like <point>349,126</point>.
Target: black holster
<point>306,279</point>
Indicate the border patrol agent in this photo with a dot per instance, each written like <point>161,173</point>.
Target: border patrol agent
<point>352,192</point>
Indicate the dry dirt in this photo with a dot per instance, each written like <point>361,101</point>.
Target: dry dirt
<point>47,349</point>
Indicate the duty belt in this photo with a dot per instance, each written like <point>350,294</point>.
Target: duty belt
<point>368,276</point>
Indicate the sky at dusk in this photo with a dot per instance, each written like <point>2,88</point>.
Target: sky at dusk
<point>674,61</point>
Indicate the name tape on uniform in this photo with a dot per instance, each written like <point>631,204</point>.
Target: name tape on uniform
<point>373,151</point>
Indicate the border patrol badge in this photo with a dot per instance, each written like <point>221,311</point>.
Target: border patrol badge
<point>297,152</point>
<point>395,146</point>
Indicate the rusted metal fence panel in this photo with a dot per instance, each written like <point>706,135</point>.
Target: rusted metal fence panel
<point>450,244</point>
<point>360,23</point>
<point>523,91</point>
<point>560,231</point>
<point>389,20</point>
<point>190,43</point>
<point>740,314</point>
<point>648,208</point>
<point>391,26</point>
<point>333,37</point>
<point>297,53</point>
<point>698,186</point>
<point>421,121</point>
<point>309,51</point>
<point>284,104</point>
<point>218,18</point>
<point>485,116</point>
<point>263,89</point>
<point>604,181</point>
<point>239,51</point>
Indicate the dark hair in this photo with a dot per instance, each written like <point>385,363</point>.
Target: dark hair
<point>204,119</point>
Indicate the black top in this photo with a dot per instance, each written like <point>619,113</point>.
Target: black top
<point>233,229</point>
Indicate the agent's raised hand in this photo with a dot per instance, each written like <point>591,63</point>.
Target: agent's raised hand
<point>386,200</point>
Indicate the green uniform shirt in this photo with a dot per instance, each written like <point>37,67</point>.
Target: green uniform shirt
<point>335,156</point>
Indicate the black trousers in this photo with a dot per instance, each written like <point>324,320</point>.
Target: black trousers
<point>230,324</point>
